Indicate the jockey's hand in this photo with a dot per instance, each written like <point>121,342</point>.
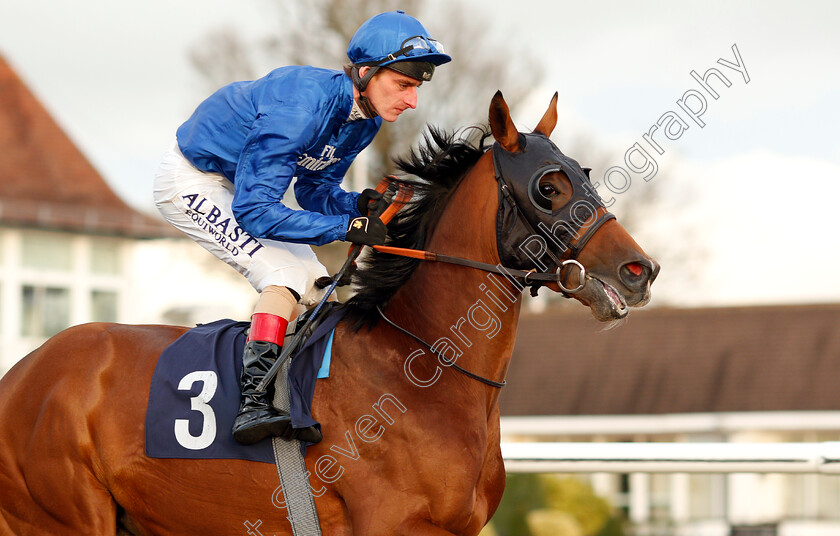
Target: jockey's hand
<point>368,231</point>
<point>370,200</point>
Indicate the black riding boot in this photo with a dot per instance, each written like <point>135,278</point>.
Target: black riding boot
<point>257,418</point>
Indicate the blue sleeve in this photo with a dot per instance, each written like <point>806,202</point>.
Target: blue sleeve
<point>325,194</point>
<point>263,174</point>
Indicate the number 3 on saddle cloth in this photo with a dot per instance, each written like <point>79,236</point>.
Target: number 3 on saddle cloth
<point>194,395</point>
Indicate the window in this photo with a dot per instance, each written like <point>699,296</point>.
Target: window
<point>828,491</point>
<point>812,496</point>
<point>47,251</point>
<point>46,310</point>
<point>766,529</point>
<point>660,497</point>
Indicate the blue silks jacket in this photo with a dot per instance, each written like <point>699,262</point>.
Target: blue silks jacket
<point>292,123</point>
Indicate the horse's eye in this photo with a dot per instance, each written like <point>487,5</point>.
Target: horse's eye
<point>547,190</point>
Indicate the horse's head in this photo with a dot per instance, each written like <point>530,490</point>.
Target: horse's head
<point>551,219</point>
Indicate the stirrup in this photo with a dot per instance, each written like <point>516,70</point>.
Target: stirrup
<point>256,424</point>
<point>310,434</point>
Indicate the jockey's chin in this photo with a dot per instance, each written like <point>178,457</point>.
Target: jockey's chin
<point>391,115</point>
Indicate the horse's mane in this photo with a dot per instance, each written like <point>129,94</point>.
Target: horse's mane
<point>436,165</point>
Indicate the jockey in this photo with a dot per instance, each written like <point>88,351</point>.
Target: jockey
<point>223,180</point>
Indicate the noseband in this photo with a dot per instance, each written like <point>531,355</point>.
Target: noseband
<point>560,235</point>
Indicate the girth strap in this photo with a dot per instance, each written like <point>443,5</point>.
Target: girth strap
<point>291,469</point>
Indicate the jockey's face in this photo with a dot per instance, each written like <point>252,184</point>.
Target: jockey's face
<point>391,93</point>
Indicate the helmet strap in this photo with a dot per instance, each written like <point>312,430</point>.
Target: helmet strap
<point>367,107</point>
<point>361,84</point>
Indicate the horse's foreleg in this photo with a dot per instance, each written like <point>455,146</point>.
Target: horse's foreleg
<point>46,493</point>
<point>80,507</point>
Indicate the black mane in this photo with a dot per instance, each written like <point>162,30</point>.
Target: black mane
<point>437,165</point>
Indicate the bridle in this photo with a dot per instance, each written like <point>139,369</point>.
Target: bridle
<point>519,187</point>
<point>510,205</point>
<point>510,201</point>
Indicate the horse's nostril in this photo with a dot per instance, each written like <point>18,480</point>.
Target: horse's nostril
<point>635,268</point>
<point>635,274</point>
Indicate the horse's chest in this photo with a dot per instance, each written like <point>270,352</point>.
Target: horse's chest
<point>466,478</point>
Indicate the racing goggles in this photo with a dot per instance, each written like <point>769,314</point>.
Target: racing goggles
<point>417,45</point>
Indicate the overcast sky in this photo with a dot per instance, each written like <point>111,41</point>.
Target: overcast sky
<point>763,173</point>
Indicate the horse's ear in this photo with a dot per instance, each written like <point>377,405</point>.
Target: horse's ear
<point>501,125</point>
<point>549,119</point>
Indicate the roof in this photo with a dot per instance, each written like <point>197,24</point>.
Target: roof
<point>47,183</point>
<point>662,360</point>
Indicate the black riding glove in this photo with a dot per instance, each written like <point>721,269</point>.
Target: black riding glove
<point>370,200</point>
<point>369,231</point>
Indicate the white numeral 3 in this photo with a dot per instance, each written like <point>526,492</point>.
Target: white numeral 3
<point>198,403</point>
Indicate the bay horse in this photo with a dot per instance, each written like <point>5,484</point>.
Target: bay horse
<point>411,445</point>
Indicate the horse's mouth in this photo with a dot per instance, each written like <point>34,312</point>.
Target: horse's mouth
<point>606,294</point>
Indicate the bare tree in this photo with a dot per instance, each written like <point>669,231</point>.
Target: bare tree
<point>222,57</point>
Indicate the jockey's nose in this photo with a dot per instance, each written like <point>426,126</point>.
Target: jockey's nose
<point>411,98</point>
<point>637,275</point>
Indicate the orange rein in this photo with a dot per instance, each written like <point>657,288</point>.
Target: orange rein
<point>405,252</point>
<point>529,277</point>
<point>404,193</point>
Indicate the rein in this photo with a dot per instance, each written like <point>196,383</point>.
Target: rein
<point>403,195</point>
<point>446,362</point>
<point>528,277</point>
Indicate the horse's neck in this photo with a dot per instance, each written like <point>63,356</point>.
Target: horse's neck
<point>464,313</point>
<point>469,313</point>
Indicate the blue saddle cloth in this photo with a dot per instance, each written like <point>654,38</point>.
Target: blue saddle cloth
<point>194,396</point>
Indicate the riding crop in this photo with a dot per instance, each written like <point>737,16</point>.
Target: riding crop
<point>402,195</point>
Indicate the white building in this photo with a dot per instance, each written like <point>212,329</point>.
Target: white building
<point>71,251</point>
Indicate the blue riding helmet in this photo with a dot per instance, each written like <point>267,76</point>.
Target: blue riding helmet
<point>393,37</point>
<point>396,41</point>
